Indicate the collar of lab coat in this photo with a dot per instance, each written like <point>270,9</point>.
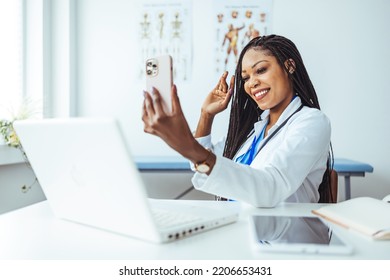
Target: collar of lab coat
<point>258,126</point>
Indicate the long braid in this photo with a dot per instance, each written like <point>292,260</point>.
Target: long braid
<point>244,111</point>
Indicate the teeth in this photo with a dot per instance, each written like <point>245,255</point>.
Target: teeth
<point>260,93</point>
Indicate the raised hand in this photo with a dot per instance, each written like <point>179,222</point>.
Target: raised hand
<point>219,98</point>
<point>216,102</point>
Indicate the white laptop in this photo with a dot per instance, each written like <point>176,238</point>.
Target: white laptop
<point>88,176</point>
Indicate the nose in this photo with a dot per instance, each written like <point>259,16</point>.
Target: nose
<point>254,82</point>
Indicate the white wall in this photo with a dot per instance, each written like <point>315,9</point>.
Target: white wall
<point>344,44</point>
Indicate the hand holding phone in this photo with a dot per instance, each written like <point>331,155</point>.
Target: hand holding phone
<point>159,76</point>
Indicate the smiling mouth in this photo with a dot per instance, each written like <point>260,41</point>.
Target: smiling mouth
<point>259,95</point>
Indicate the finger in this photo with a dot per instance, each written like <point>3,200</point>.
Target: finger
<point>220,81</point>
<point>148,104</point>
<point>227,99</point>
<point>223,84</point>
<point>157,102</point>
<point>224,75</point>
<point>229,94</point>
<point>149,130</point>
<point>176,107</point>
<point>145,116</point>
<point>231,85</point>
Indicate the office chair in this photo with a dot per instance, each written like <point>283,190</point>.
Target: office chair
<point>333,186</point>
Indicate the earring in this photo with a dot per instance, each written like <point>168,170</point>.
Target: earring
<point>291,71</point>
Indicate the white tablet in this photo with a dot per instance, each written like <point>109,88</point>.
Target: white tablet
<point>290,234</point>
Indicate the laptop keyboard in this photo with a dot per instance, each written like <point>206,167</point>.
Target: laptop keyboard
<point>165,218</point>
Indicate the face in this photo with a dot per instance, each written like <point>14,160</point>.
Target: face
<point>265,81</point>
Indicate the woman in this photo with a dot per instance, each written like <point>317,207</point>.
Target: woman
<point>278,142</point>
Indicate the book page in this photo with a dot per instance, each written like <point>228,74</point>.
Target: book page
<point>364,214</point>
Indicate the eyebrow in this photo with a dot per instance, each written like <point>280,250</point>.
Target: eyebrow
<point>254,65</point>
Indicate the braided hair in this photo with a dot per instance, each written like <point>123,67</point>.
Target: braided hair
<point>245,112</point>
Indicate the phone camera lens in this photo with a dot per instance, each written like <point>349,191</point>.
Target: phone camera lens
<point>154,65</point>
<point>149,72</point>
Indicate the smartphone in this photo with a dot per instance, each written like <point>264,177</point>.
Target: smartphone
<point>287,234</point>
<point>159,75</point>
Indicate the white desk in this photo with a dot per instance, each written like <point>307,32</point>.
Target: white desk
<point>34,233</point>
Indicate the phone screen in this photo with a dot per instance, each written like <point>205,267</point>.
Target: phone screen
<point>296,234</point>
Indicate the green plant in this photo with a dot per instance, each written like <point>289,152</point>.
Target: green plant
<point>26,110</point>
<point>8,133</point>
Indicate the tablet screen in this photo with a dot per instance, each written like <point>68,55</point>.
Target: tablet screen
<point>296,234</point>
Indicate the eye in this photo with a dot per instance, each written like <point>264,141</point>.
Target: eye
<point>261,70</point>
<point>245,79</point>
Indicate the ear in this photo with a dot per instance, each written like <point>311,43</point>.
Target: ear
<point>290,65</point>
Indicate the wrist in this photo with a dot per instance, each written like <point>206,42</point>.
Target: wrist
<point>206,162</point>
<point>204,124</point>
<point>205,115</point>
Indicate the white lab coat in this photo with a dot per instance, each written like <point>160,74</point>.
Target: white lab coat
<point>289,168</point>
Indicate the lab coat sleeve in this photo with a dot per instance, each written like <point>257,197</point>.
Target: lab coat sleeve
<point>271,179</point>
<point>206,142</point>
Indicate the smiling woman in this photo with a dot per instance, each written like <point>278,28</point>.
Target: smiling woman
<point>277,146</point>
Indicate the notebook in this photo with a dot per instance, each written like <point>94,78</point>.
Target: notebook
<point>89,176</point>
<point>366,215</point>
